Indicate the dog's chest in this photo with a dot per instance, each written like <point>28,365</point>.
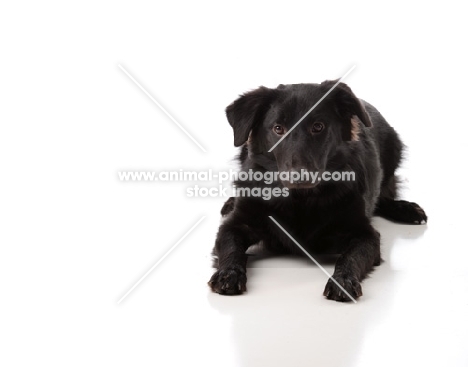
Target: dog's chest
<point>304,216</point>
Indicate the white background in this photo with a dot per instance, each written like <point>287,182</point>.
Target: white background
<point>74,239</point>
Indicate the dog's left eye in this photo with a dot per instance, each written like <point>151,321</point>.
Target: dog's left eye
<point>278,129</point>
<point>317,127</point>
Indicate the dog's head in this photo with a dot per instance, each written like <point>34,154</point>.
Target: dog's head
<point>260,118</point>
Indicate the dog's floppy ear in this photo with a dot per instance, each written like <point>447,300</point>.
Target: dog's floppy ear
<point>246,111</point>
<point>348,106</point>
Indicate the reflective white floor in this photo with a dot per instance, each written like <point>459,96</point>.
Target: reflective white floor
<point>413,312</point>
<point>65,312</point>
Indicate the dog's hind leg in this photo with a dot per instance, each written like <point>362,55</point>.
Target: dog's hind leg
<point>397,210</point>
<point>400,211</point>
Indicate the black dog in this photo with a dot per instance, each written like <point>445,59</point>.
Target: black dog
<point>342,134</point>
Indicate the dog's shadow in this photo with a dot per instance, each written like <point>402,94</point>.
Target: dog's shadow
<point>283,319</point>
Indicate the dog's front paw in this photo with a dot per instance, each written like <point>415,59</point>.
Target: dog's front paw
<point>229,281</point>
<point>350,284</point>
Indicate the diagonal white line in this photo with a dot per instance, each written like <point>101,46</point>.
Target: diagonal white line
<point>310,257</point>
<point>161,107</point>
<point>160,260</point>
<point>315,105</point>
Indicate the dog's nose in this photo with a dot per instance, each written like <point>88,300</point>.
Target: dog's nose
<point>299,178</point>
<point>297,175</point>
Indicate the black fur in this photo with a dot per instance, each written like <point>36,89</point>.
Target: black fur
<point>328,217</point>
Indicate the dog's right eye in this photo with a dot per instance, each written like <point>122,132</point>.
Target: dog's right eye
<point>317,127</point>
<point>278,129</point>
